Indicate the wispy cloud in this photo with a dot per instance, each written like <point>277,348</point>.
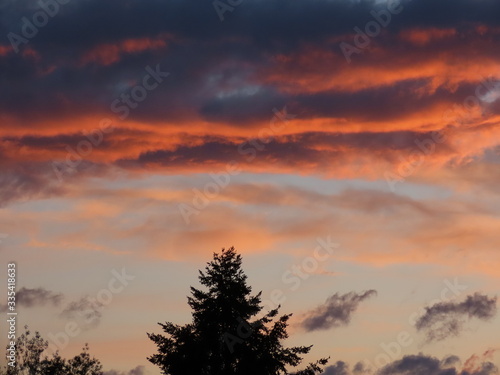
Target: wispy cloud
<point>85,311</point>
<point>447,319</point>
<point>335,312</point>
<point>36,297</point>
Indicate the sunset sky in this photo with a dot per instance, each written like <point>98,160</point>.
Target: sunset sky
<point>137,137</point>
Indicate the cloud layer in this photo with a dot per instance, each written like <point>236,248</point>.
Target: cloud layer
<point>377,115</point>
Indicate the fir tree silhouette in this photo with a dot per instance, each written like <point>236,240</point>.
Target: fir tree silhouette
<point>225,337</point>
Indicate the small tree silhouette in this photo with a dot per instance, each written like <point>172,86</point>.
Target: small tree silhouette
<point>221,339</point>
<point>29,360</point>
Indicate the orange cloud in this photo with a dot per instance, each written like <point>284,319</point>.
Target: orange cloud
<point>424,36</point>
<point>110,53</point>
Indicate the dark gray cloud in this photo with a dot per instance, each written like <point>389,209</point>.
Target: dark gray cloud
<point>139,370</point>
<point>446,319</point>
<point>420,364</point>
<point>339,368</point>
<point>343,368</point>
<point>360,369</point>
<point>27,297</point>
<point>450,360</point>
<point>257,29</point>
<point>417,365</point>
<point>86,312</point>
<point>283,149</point>
<point>265,21</point>
<point>426,365</point>
<point>336,311</point>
